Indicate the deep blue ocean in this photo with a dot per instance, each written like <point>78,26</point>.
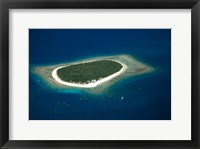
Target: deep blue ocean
<point>145,97</point>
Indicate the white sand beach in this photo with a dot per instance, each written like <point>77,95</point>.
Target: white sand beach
<point>91,84</point>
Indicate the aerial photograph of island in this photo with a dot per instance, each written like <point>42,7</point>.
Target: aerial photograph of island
<point>99,74</point>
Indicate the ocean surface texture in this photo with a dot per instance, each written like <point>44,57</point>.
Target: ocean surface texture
<point>143,97</point>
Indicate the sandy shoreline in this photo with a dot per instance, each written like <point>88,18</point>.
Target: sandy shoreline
<point>89,85</point>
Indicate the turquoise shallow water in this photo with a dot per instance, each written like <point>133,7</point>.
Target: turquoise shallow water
<point>145,97</point>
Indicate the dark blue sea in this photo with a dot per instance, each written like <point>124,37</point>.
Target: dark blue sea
<point>145,97</point>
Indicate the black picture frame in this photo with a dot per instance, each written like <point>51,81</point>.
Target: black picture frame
<point>5,5</point>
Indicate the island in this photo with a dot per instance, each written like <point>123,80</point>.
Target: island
<point>88,74</point>
<point>91,74</point>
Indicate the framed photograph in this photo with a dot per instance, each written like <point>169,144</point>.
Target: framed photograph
<point>103,74</point>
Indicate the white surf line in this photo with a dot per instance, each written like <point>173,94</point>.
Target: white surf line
<point>89,85</point>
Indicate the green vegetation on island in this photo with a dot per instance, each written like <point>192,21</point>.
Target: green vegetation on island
<point>88,72</point>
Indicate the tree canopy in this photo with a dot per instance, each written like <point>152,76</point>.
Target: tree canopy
<point>88,72</point>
